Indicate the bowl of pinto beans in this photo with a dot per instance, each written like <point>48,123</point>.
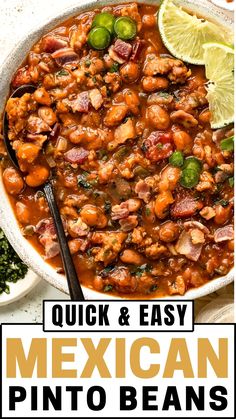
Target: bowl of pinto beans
<point>122,128</point>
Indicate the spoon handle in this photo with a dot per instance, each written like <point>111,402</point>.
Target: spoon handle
<point>75,290</point>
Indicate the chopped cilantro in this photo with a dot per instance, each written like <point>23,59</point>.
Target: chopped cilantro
<point>87,63</point>
<point>108,288</point>
<point>153,288</point>
<point>114,68</point>
<point>140,270</point>
<point>11,267</point>
<point>231,182</point>
<point>107,207</point>
<point>147,211</point>
<point>62,73</point>
<point>223,202</point>
<point>82,181</point>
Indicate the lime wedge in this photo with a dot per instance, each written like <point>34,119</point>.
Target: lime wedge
<point>184,34</point>
<point>219,62</point>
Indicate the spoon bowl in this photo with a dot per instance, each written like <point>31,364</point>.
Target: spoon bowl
<point>75,290</point>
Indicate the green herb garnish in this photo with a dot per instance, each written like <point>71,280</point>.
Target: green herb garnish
<point>231,182</point>
<point>11,267</point>
<point>62,73</point>
<point>114,68</point>
<point>82,181</point>
<point>108,288</point>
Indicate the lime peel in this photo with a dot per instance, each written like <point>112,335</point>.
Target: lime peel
<point>219,62</point>
<point>184,34</point>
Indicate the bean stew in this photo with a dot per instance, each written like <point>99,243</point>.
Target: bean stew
<point>144,185</point>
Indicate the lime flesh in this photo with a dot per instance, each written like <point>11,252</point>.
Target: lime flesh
<point>219,62</point>
<point>184,34</point>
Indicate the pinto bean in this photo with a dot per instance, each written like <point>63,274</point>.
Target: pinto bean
<point>151,84</point>
<point>74,246</point>
<point>158,117</point>
<point>42,96</point>
<point>28,152</point>
<point>164,199</point>
<point>37,176</point>
<point>132,100</point>
<point>169,178</point>
<point>115,115</point>
<point>230,245</point>
<point>222,214</point>
<point>183,141</point>
<point>47,115</point>
<point>130,72</point>
<point>133,204</point>
<point>13,181</point>
<point>205,116</point>
<point>98,283</point>
<point>149,20</point>
<point>169,232</point>
<point>93,216</point>
<point>22,213</point>
<point>132,257</point>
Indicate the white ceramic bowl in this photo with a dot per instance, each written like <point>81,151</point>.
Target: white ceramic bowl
<point>7,219</point>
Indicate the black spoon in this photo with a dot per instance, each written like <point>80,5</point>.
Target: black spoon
<point>75,290</point>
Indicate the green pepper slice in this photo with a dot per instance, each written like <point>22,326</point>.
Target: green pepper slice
<point>189,178</point>
<point>176,159</point>
<point>125,28</point>
<point>193,163</point>
<point>99,38</point>
<point>227,144</point>
<point>104,20</point>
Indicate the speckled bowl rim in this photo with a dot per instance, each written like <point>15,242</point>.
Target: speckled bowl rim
<point>7,219</point>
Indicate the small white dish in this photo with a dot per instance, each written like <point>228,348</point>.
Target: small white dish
<point>20,288</point>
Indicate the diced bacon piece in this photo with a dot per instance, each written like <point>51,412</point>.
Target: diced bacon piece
<point>185,207</point>
<point>114,56</point>
<point>52,249</point>
<point>36,125</point>
<point>142,189</point>
<point>122,280</point>
<point>224,233</point>
<point>46,226</point>
<point>124,132</point>
<point>47,237</point>
<point>220,176</point>
<point>76,155</point>
<point>129,223</point>
<point>137,48</point>
<point>65,55</point>
<point>52,43</point>
<point>196,224</point>
<point>122,49</point>
<point>77,228</point>
<point>96,98</point>
<point>22,76</point>
<point>120,211</point>
<point>185,246</point>
<point>158,146</point>
<point>80,103</point>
